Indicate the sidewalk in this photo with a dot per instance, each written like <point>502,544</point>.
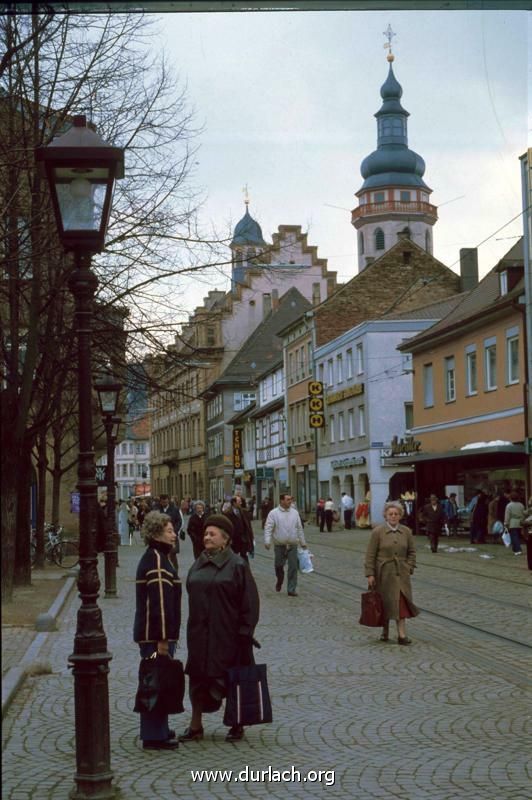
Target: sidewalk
<point>429,722</point>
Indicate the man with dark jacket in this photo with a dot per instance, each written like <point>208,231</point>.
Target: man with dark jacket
<point>433,517</point>
<point>242,538</point>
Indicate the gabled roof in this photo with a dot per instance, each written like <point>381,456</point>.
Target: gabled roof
<point>484,299</point>
<point>436,310</point>
<point>405,277</point>
<point>263,347</point>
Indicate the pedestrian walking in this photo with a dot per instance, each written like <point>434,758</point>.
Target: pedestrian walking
<point>157,616</point>
<point>514,516</point>
<point>433,517</point>
<point>132,519</point>
<point>348,506</point>
<point>242,538</point>
<point>390,561</point>
<point>320,514</point>
<point>196,528</point>
<point>123,524</point>
<point>450,509</point>
<point>283,527</point>
<point>479,519</point>
<point>223,614</point>
<point>328,513</point>
<point>265,508</point>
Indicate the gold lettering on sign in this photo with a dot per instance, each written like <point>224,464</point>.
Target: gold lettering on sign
<point>353,391</point>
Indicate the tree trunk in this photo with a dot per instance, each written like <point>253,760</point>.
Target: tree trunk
<point>22,570</point>
<point>42,463</point>
<point>9,518</point>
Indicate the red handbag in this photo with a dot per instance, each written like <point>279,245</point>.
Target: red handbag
<point>372,610</point>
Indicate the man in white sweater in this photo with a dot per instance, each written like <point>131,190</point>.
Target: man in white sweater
<point>283,526</point>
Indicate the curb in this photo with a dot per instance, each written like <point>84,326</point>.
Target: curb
<point>45,623</point>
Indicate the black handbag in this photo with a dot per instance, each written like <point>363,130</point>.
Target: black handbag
<point>372,610</point>
<point>161,686</point>
<point>248,698</point>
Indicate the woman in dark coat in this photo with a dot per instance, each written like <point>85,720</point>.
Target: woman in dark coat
<point>390,561</point>
<point>157,615</point>
<point>223,613</point>
<point>196,526</point>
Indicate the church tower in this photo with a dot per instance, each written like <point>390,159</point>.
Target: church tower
<point>246,246</point>
<point>394,199</point>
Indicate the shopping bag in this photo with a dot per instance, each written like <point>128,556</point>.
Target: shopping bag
<point>304,558</point>
<point>497,528</point>
<point>372,609</point>
<point>161,685</point>
<point>506,538</point>
<point>248,698</point>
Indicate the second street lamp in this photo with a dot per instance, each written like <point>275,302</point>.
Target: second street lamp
<point>81,169</point>
<point>108,389</point>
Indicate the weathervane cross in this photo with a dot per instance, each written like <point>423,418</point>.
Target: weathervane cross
<point>389,33</point>
<point>246,194</point>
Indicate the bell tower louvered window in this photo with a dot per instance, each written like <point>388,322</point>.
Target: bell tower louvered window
<point>379,239</point>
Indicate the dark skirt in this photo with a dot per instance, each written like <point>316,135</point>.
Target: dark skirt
<point>404,608</point>
<point>207,693</point>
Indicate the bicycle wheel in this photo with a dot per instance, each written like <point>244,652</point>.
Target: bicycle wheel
<point>66,554</point>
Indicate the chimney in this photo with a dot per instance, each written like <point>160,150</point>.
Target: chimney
<point>266,304</point>
<point>468,268</point>
<point>275,299</point>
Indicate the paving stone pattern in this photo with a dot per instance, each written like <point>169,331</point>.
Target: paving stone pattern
<point>442,719</point>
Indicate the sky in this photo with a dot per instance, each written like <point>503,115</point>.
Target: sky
<point>287,99</point>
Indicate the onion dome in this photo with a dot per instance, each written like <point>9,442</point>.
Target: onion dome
<point>248,231</point>
<point>392,163</point>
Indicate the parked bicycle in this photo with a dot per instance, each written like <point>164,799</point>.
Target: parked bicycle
<point>57,550</point>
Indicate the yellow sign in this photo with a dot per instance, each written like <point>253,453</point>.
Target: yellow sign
<point>237,448</point>
<point>315,403</point>
<point>315,387</point>
<point>316,421</point>
<point>352,391</point>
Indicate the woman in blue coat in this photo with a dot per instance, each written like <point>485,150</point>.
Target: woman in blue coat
<point>157,615</point>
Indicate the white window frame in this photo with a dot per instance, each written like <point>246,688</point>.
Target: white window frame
<point>359,358</point>
<point>349,364</point>
<point>339,368</point>
<point>450,379</point>
<point>490,365</point>
<point>341,428</point>
<point>351,423</point>
<point>361,413</point>
<point>330,372</point>
<point>332,429</point>
<point>471,371</point>
<point>512,340</point>
<point>428,386</point>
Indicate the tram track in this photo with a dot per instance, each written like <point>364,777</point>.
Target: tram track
<point>439,566</point>
<point>488,650</point>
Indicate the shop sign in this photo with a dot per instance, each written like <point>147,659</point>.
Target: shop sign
<point>355,461</point>
<point>237,448</point>
<point>352,391</point>
<point>316,405</point>
<point>404,447</point>
<point>101,475</point>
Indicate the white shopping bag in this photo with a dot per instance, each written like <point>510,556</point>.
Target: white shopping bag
<point>304,558</point>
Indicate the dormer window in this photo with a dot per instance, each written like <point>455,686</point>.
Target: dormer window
<point>503,282</point>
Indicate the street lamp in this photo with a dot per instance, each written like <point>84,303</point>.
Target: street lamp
<point>81,169</point>
<point>108,389</point>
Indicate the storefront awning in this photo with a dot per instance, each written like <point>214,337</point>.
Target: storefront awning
<point>416,458</point>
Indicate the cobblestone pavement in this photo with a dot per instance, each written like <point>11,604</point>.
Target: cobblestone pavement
<point>445,719</point>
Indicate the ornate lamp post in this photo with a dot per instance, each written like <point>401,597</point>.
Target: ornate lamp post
<point>81,170</point>
<point>108,389</point>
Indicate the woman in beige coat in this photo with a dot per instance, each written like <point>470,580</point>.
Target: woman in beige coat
<point>390,561</point>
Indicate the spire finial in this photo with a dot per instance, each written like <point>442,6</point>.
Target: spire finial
<point>389,33</point>
<point>246,194</point>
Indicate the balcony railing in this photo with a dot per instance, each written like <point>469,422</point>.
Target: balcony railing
<point>412,207</point>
